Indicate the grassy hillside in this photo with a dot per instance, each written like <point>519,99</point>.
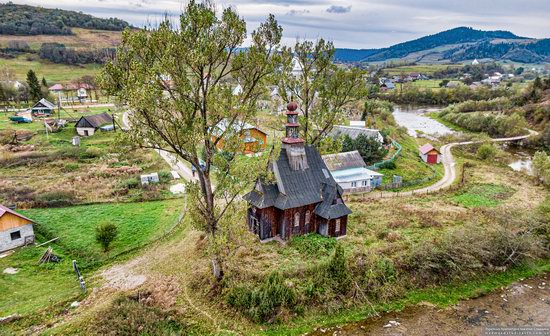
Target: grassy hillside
<point>54,73</point>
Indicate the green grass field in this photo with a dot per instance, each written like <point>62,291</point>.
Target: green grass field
<point>483,195</point>
<point>54,73</point>
<point>37,287</point>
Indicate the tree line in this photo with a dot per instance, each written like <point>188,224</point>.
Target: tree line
<point>59,53</point>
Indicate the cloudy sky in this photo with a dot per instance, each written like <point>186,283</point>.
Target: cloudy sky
<point>349,23</point>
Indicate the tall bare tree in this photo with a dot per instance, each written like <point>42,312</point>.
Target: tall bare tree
<point>322,89</point>
<point>178,82</point>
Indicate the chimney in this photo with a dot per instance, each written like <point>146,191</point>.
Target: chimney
<point>292,143</point>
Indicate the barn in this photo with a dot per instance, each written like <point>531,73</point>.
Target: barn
<point>15,229</point>
<point>88,125</point>
<point>304,198</point>
<point>430,154</point>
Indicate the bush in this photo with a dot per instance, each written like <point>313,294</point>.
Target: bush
<point>130,183</point>
<point>264,302</point>
<point>313,244</point>
<point>105,234</point>
<point>56,199</point>
<point>486,151</point>
<point>337,270</point>
<point>165,176</point>
<point>128,316</point>
<point>70,167</point>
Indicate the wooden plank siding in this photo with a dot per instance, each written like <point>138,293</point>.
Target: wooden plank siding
<point>10,221</point>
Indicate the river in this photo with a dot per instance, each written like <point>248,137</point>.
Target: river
<point>414,119</point>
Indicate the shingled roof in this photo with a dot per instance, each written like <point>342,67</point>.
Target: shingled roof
<point>296,188</point>
<point>344,160</point>
<point>94,121</point>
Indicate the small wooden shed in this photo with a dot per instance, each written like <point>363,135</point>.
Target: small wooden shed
<point>15,229</point>
<point>430,154</point>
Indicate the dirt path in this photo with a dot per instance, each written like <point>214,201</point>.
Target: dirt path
<point>449,164</point>
<point>522,304</point>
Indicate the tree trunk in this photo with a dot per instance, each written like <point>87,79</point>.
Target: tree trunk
<point>217,269</point>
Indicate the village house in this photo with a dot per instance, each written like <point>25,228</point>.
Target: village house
<point>88,125</point>
<point>15,230</point>
<point>430,154</point>
<point>304,198</point>
<point>386,84</point>
<point>351,173</point>
<point>254,140</point>
<point>42,108</point>
<point>354,131</point>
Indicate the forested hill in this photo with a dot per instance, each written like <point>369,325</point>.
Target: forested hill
<point>458,44</point>
<point>453,36</point>
<point>29,20</point>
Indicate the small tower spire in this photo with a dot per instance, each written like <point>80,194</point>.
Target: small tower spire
<point>292,143</point>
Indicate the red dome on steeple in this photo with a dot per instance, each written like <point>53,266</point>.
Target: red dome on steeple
<point>292,106</point>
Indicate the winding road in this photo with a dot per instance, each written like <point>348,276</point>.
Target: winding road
<point>450,168</point>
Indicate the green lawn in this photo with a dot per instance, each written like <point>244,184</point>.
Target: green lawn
<point>54,73</point>
<point>427,69</point>
<point>36,287</point>
<point>483,195</point>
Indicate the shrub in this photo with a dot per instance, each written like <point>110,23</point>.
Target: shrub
<point>265,301</point>
<point>486,151</point>
<point>105,234</point>
<point>313,244</point>
<point>164,176</point>
<point>130,183</point>
<point>56,199</point>
<point>90,153</point>
<point>70,167</point>
<point>127,316</point>
<point>337,270</point>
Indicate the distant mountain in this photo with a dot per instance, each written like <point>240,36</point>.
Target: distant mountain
<point>29,20</point>
<point>456,45</point>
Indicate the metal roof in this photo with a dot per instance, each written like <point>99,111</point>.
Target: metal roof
<point>4,210</point>
<point>95,121</point>
<point>427,148</point>
<point>344,160</point>
<point>354,132</point>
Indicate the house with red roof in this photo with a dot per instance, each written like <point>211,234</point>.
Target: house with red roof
<point>15,229</point>
<point>430,154</point>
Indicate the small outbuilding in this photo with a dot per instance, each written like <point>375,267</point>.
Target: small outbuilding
<point>88,125</point>
<point>15,229</point>
<point>42,108</point>
<point>150,178</point>
<point>430,154</point>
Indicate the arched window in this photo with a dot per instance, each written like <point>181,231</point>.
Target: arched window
<point>337,228</point>
<point>308,215</point>
<point>297,219</point>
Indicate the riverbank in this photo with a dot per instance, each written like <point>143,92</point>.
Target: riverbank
<point>499,300</point>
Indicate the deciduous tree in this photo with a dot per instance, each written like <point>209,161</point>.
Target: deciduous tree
<point>321,88</point>
<point>177,81</point>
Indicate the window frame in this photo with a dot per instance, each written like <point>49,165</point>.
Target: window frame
<point>297,219</point>
<point>337,225</point>
<point>18,233</point>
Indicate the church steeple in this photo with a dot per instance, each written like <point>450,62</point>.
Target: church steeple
<point>292,143</point>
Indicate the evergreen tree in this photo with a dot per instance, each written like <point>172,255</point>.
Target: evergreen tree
<point>35,92</point>
<point>44,83</point>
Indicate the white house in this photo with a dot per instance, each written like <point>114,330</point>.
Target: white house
<point>297,68</point>
<point>88,125</point>
<point>238,90</point>
<point>354,131</point>
<point>475,62</point>
<point>15,229</point>
<point>350,172</point>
